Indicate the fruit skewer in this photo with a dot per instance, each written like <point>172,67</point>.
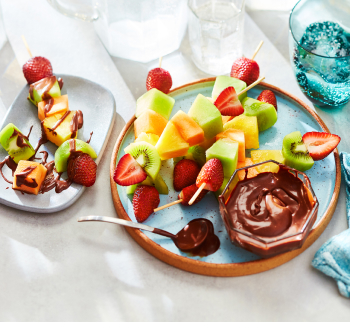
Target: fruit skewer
<point>257,49</point>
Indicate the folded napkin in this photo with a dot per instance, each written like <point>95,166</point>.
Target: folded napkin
<point>333,258</point>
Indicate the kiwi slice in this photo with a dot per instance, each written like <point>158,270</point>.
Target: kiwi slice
<point>146,155</point>
<point>15,143</point>
<point>295,152</point>
<point>159,184</point>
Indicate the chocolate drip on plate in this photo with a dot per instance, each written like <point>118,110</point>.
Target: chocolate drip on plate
<point>11,165</point>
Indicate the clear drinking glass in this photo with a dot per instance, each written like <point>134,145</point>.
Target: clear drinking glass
<point>138,30</point>
<point>216,33</point>
<point>319,46</point>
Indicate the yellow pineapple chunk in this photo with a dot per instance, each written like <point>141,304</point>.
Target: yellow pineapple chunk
<point>148,137</point>
<point>60,104</point>
<point>58,127</point>
<point>171,144</point>
<point>259,156</point>
<point>249,125</point>
<point>29,176</point>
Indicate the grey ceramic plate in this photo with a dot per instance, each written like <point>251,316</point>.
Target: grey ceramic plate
<point>98,106</point>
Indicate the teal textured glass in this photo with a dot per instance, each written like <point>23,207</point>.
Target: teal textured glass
<point>319,46</point>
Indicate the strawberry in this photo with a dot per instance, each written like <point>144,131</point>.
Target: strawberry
<point>160,79</point>
<point>268,96</point>
<point>320,144</point>
<point>228,103</point>
<point>245,69</point>
<point>212,174</point>
<point>128,171</point>
<point>187,193</point>
<point>185,173</point>
<point>82,170</point>
<point>145,200</point>
<point>37,68</point>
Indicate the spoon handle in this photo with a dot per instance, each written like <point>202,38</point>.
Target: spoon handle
<point>126,223</point>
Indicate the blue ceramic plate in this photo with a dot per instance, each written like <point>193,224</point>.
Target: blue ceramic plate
<point>83,94</point>
<point>292,116</point>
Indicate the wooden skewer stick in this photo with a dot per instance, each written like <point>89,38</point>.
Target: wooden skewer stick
<point>257,49</point>
<point>194,197</point>
<point>26,44</point>
<point>251,86</point>
<point>160,61</point>
<point>167,205</point>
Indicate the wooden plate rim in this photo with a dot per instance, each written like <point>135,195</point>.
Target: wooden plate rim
<point>232,269</point>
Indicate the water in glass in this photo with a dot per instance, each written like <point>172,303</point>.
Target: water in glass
<point>216,34</point>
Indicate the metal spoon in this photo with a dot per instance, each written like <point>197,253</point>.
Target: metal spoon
<point>188,238</point>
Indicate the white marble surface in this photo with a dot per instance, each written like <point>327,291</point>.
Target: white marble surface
<point>55,269</point>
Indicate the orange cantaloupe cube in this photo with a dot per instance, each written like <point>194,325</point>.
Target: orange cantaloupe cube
<point>171,144</point>
<point>34,179</point>
<point>149,122</point>
<point>191,132</point>
<point>252,172</point>
<point>60,104</point>
<point>237,136</point>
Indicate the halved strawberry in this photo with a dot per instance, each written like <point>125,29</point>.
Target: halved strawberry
<point>228,103</point>
<point>268,96</point>
<point>145,200</point>
<point>212,174</point>
<point>320,144</point>
<point>187,193</point>
<point>128,171</point>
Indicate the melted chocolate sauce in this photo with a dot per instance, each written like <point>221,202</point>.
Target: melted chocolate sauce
<point>60,82</point>
<point>59,122</point>
<point>53,182</point>
<point>270,204</point>
<point>89,140</point>
<point>76,123</point>
<point>48,105</point>
<point>21,143</point>
<point>44,85</point>
<point>21,178</point>
<point>42,140</point>
<point>11,165</point>
<point>191,233</point>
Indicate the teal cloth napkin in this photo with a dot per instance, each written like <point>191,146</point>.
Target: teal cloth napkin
<point>333,258</point>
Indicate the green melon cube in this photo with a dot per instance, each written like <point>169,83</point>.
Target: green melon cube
<point>207,116</point>
<point>223,82</point>
<point>39,89</point>
<point>265,112</point>
<point>156,101</point>
<point>227,153</point>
